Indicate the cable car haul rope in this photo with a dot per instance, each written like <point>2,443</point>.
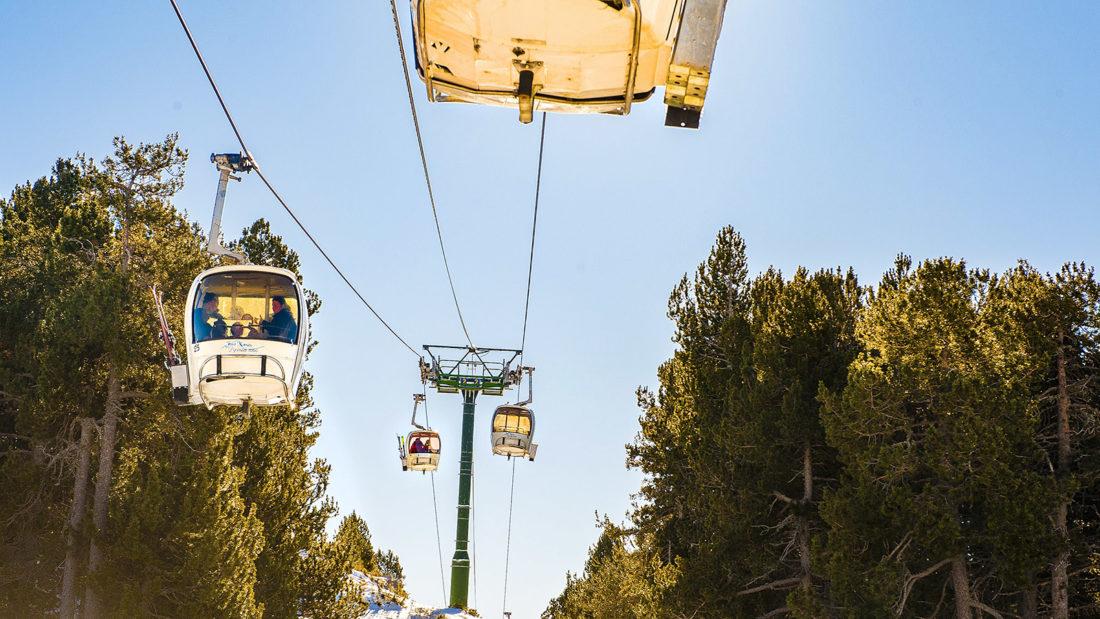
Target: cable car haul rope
<point>424,164</point>
<point>255,166</point>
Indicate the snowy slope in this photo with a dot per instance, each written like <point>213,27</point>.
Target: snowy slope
<point>382,605</point>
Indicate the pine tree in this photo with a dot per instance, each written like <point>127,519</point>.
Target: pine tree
<point>622,578</point>
<point>391,572</point>
<point>675,447</point>
<point>1048,336</point>
<point>299,571</point>
<point>939,491</point>
<point>83,246</point>
<point>733,445</point>
<point>803,332</point>
<point>159,510</point>
<point>355,535</point>
<point>50,235</point>
<point>928,448</point>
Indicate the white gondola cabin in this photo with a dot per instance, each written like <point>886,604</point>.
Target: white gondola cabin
<point>247,330</point>
<point>513,431</point>
<point>421,451</point>
<point>581,56</point>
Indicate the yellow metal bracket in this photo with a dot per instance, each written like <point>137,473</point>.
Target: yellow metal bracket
<point>686,87</point>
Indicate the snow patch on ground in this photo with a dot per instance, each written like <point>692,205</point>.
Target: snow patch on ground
<point>384,604</point>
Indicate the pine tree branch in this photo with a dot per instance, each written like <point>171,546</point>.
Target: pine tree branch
<point>133,395</point>
<point>912,580</point>
<point>4,395</point>
<point>783,497</point>
<point>902,545</point>
<point>17,437</point>
<point>987,609</point>
<point>775,585</point>
<point>939,604</point>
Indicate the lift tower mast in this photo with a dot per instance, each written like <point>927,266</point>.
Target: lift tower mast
<point>469,371</point>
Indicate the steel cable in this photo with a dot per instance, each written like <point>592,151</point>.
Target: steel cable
<point>522,348</point>
<point>508,540</point>
<point>271,188</point>
<point>435,506</point>
<point>534,226</point>
<point>424,164</point>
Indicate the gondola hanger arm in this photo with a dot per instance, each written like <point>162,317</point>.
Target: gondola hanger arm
<point>417,399</point>
<point>530,385</point>
<point>227,164</point>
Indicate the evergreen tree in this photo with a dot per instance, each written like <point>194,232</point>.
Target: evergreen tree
<point>51,233</point>
<point>116,501</point>
<point>354,535</point>
<point>83,246</point>
<point>939,492</point>
<point>1048,335</point>
<point>299,571</point>
<point>390,570</point>
<point>683,488</point>
<point>815,449</point>
<point>328,589</point>
<point>619,581</point>
<point>803,338</point>
<point>733,445</point>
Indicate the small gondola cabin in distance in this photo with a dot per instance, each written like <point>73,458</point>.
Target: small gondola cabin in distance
<point>573,56</point>
<point>513,431</point>
<point>419,451</point>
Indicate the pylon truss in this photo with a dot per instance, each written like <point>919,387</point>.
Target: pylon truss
<point>452,369</point>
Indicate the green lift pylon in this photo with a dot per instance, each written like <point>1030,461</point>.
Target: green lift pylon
<point>469,371</point>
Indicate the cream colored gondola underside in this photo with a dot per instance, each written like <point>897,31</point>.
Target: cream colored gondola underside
<point>474,50</point>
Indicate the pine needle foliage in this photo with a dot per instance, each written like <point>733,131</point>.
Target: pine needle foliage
<point>116,502</point>
<point>817,448</point>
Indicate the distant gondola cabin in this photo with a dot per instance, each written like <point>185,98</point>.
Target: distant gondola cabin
<point>422,448</point>
<point>513,431</point>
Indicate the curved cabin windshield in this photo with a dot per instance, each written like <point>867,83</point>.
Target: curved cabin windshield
<point>512,422</point>
<point>246,305</point>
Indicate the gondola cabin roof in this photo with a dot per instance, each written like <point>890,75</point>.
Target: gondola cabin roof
<point>243,280</point>
<point>583,53</point>
<point>245,268</point>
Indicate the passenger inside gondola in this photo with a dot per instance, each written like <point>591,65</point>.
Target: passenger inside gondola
<point>424,445</point>
<point>204,329</point>
<point>245,328</point>
<point>228,303</point>
<point>281,327</point>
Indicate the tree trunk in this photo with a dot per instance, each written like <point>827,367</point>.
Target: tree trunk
<point>76,517</point>
<point>960,582</point>
<point>1059,579</point>
<point>803,524</point>
<point>107,440</point>
<point>1029,604</point>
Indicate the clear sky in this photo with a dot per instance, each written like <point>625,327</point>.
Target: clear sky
<point>835,134</point>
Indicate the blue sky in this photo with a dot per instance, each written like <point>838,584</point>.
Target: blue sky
<point>835,134</point>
